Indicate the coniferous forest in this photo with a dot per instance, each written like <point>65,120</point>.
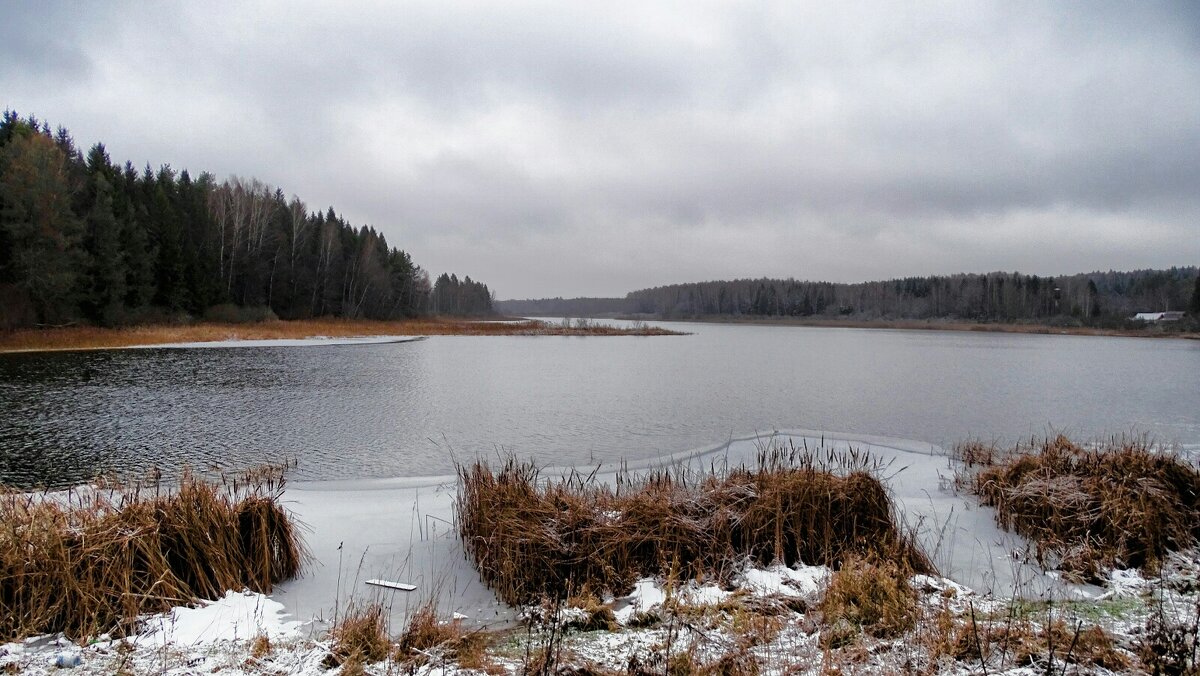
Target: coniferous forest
<point>84,239</point>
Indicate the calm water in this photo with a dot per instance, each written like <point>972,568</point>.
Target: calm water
<point>412,408</point>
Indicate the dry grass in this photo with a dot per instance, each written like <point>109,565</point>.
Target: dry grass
<point>1026,643</point>
<point>532,538</point>
<point>426,636</point>
<point>260,647</point>
<point>90,561</point>
<point>359,638</point>
<point>93,337</point>
<point>867,596</point>
<point>1125,504</point>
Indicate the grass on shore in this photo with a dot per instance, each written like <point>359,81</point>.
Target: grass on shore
<point>95,337</point>
<point>1124,504</point>
<point>91,560</point>
<point>532,538</point>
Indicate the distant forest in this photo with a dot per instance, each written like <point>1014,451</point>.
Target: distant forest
<point>1089,299</point>
<point>84,239</point>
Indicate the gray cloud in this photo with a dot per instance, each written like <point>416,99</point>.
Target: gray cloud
<point>554,149</point>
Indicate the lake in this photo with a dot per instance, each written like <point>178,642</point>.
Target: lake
<point>412,409</point>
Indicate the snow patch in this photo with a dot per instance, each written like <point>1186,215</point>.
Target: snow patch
<point>237,616</point>
<point>802,581</point>
<point>646,595</point>
<point>702,595</point>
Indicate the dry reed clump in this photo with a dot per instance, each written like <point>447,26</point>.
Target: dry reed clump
<point>359,638</point>
<point>1125,504</point>
<point>867,596</point>
<point>90,560</point>
<point>531,539</point>
<point>426,636</point>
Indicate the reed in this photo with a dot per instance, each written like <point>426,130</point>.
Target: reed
<point>865,596</point>
<point>532,537</point>
<point>91,560</point>
<point>1124,503</point>
<point>360,637</point>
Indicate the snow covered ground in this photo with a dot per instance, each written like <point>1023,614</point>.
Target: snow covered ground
<point>402,530</point>
<point>250,634</point>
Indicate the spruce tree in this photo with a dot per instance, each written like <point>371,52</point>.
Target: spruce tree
<point>106,290</point>
<point>38,223</point>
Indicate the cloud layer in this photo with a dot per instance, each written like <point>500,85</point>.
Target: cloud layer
<point>590,149</point>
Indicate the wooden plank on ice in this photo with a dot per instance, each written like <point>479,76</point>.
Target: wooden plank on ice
<point>393,585</point>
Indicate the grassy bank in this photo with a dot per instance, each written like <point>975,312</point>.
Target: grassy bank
<point>92,560</point>
<point>96,338</point>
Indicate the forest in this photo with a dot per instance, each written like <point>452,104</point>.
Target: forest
<point>1104,299</point>
<point>87,240</point>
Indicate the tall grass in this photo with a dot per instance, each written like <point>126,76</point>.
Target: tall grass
<point>91,560</point>
<point>1124,503</point>
<point>532,537</point>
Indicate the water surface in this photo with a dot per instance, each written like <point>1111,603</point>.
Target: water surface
<point>410,409</point>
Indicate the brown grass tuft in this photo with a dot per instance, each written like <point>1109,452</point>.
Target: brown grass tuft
<point>1025,643</point>
<point>359,638</point>
<point>90,561</point>
<point>531,539</point>
<point>867,596</point>
<point>1126,504</point>
<point>261,646</point>
<point>425,636</point>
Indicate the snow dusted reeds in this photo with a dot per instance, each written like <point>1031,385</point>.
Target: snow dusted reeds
<point>91,560</point>
<point>534,537</point>
<point>1087,509</point>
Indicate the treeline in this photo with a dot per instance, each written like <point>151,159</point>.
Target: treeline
<point>83,238</point>
<point>454,297</point>
<point>1090,299</point>
<point>1097,298</point>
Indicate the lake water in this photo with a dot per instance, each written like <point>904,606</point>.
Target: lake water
<point>411,409</point>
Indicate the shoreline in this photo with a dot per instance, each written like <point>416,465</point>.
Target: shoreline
<point>929,325</point>
<point>83,338</point>
<point>356,532</point>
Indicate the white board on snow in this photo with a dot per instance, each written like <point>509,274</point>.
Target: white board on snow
<point>402,586</point>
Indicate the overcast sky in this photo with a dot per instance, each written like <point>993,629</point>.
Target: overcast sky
<point>576,148</point>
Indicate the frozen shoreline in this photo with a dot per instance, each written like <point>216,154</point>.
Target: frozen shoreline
<point>403,529</point>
